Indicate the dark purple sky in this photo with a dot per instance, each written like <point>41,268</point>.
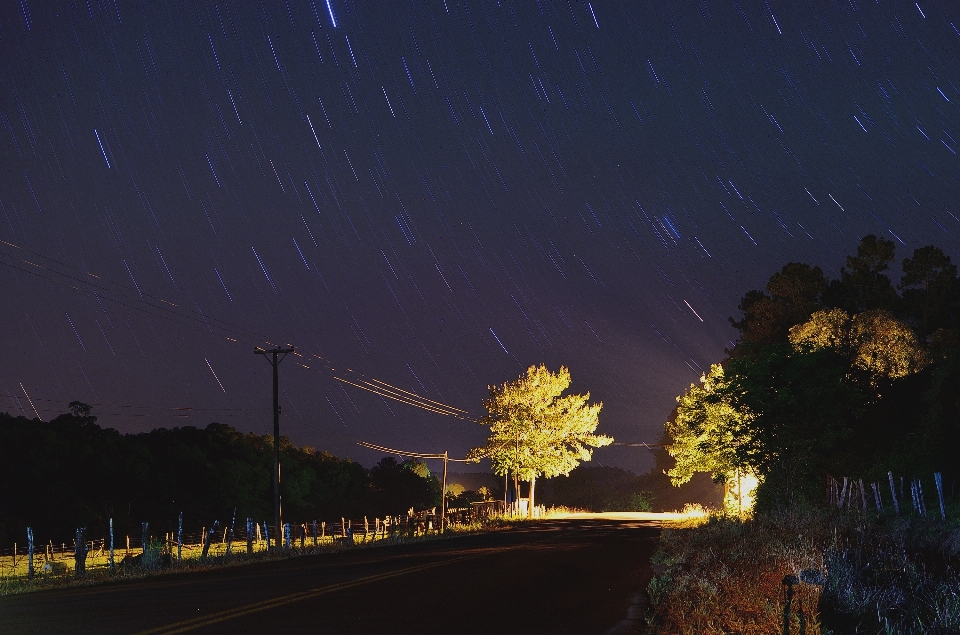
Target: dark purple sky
<point>439,194</point>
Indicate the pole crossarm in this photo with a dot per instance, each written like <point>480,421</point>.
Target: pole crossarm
<point>278,351</point>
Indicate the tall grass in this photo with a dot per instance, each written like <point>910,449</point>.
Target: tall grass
<point>881,575</point>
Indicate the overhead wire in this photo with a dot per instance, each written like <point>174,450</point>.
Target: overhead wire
<point>357,379</point>
<point>417,455</point>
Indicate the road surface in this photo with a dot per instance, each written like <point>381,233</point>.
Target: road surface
<point>581,574</point>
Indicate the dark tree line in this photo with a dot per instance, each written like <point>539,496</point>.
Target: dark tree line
<point>854,376</point>
<point>70,472</point>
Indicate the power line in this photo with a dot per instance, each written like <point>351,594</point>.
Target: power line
<point>649,446</point>
<point>174,310</point>
<point>421,455</point>
<point>417,455</point>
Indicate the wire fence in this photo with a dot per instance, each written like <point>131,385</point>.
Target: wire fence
<point>853,494</point>
<point>24,561</point>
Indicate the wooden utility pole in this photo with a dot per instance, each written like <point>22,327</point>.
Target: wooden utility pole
<point>275,361</point>
<point>443,494</point>
<point>421,455</point>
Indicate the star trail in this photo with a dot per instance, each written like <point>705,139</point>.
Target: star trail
<point>427,197</point>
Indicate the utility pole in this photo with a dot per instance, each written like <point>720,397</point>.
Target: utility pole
<point>421,455</point>
<point>276,433</point>
<point>443,494</point>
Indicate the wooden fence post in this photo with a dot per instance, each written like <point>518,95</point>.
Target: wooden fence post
<point>29,553</point>
<point>314,533</point>
<point>366,530</point>
<point>323,529</point>
<point>876,496</point>
<point>233,521</point>
<point>208,540</point>
<point>938,479</point>
<point>249,535</point>
<point>893,493</point>
<point>112,567</point>
<point>80,553</point>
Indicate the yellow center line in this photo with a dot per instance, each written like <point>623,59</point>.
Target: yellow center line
<point>229,614</point>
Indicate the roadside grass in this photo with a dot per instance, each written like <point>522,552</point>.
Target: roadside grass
<point>882,574</point>
<point>14,580</point>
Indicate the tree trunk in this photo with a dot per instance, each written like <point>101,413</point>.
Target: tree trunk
<point>516,492</point>
<point>530,502</point>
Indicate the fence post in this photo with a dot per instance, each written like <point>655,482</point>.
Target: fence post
<point>938,479</point>
<point>111,546</point>
<point>323,529</point>
<point>145,540</point>
<point>893,493</point>
<point>876,496</point>
<point>314,533</point>
<point>266,535</point>
<point>208,539</point>
<point>80,553</point>
<point>249,535</point>
<point>233,522</point>
<point>29,553</point>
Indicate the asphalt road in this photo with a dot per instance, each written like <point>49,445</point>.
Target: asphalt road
<point>577,575</point>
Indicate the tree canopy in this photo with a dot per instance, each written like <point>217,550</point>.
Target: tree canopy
<point>535,431</point>
<point>706,430</point>
<point>70,472</point>
<point>843,377</point>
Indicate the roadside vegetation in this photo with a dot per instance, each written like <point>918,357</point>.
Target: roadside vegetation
<point>856,574</point>
<point>853,381</point>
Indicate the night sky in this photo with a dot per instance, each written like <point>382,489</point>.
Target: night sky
<point>436,195</point>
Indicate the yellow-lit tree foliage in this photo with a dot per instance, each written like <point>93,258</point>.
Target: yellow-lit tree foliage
<point>534,431</point>
<point>877,342</point>
<point>706,431</point>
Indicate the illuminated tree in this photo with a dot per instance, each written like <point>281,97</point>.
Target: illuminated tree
<point>534,431</point>
<point>876,342</point>
<point>706,431</point>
